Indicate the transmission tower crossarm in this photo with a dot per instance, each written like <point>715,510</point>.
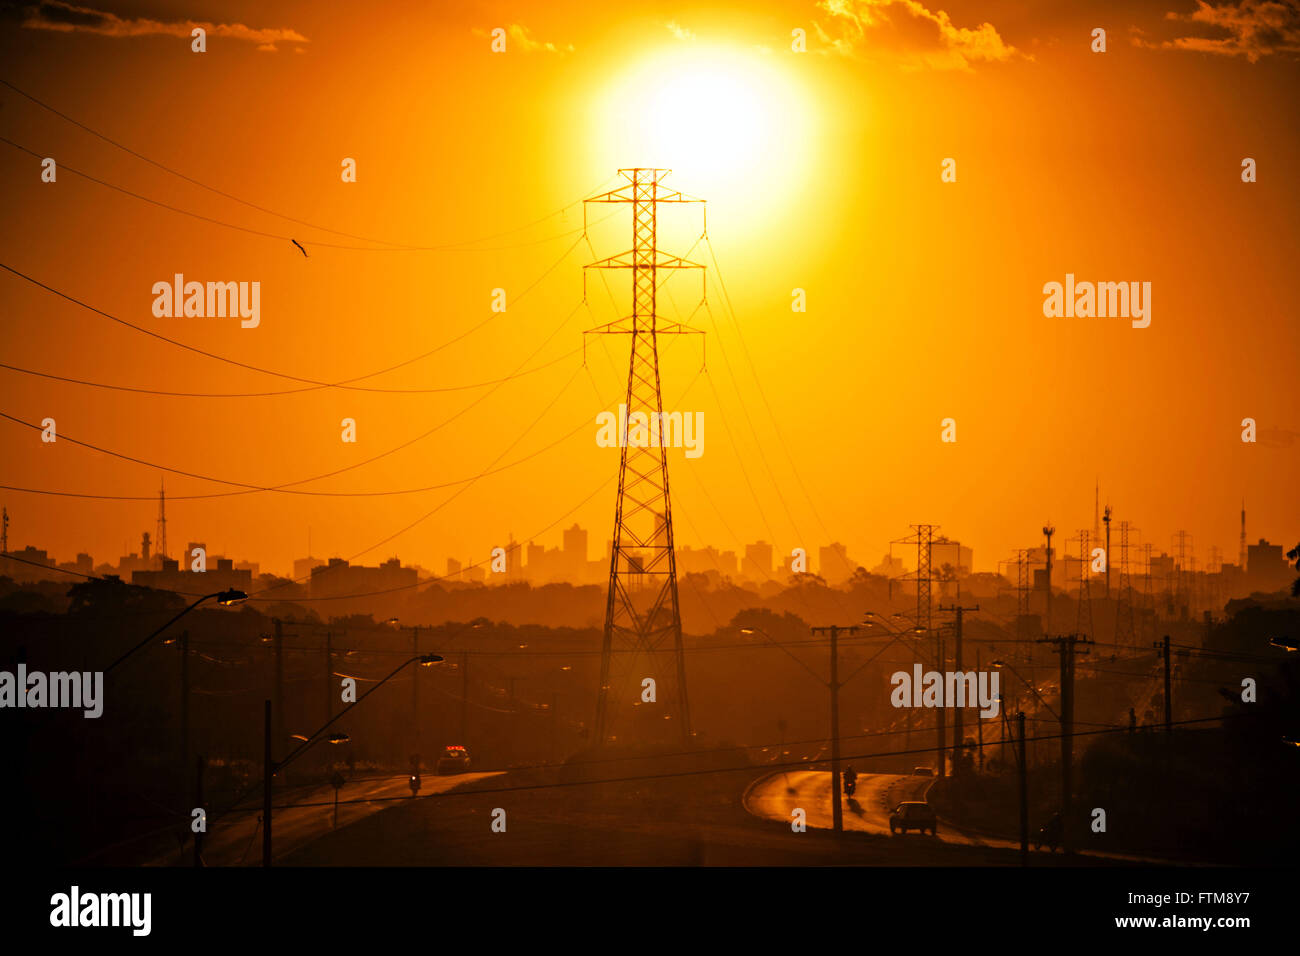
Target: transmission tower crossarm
<point>634,179</point>
<point>630,260</point>
<point>622,327</point>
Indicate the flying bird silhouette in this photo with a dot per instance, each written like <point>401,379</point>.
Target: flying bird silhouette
<point>300,248</point>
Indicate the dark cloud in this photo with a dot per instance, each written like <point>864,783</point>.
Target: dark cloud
<point>1250,28</point>
<point>62,17</point>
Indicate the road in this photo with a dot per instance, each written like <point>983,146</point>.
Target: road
<point>236,839</point>
<point>775,796</point>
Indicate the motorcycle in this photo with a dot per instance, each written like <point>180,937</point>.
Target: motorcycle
<point>850,785</point>
<point>1049,835</point>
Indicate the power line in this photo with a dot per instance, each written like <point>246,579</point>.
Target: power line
<point>264,209</point>
<point>344,384</point>
<point>289,391</point>
<point>336,494</point>
<point>64,167</point>
<point>726,297</point>
<point>288,487</point>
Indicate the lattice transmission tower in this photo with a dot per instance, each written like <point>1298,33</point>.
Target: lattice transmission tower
<point>643,623</point>
<point>1083,610</point>
<point>1125,624</point>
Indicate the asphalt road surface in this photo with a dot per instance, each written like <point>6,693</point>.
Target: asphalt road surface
<point>236,839</point>
<point>775,796</point>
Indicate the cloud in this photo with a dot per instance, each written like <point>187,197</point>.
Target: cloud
<point>1249,28</point>
<point>679,31</point>
<point>68,18</point>
<point>905,32</point>
<point>521,38</point>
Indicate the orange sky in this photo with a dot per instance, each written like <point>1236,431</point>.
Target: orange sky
<point>822,172</point>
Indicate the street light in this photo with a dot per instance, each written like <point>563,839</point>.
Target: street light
<point>335,738</point>
<point>271,767</point>
<point>226,598</point>
<point>1032,688</point>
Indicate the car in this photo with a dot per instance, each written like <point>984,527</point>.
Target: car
<point>454,759</point>
<point>922,771</point>
<point>914,815</point>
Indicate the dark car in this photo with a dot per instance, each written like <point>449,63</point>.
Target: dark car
<point>454,759</point>
<point>914,815</point>
<point>922,771</point>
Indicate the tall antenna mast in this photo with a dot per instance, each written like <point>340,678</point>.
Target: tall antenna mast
<point>160,536</point>
<point>1241,557</point>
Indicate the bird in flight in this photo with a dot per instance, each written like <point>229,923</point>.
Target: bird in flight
<point>299,245</point>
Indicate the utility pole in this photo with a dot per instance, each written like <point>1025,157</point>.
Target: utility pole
<point>979,724</point>
<point>1066,647</point>
<point>514,718</point>
<point>642,610</point>
<point>268,772</point>
<point>837,808</point>
<point>464,699</point>
<point>958,710</point>
<point>941,751</point>
<point>1003,756</point>
<point>1169,704</point>
<point>1024,792</point>
<point>329,676</point>
<point>415,688</point>
<point>198,802</point>
<point>1049,530</point>
<point>279,681</point>
<point>185,702</point>
<point>1106,518</point>
<point>555,703</point>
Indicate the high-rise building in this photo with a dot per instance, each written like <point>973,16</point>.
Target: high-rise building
<point>834,563</point>
<point>1266,569</point>
<point>944,551</point>
<point>758,561</point>
<point>302,567</point>
<point>575,542</point>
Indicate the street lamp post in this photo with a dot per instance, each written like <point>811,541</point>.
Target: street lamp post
<point>271,767</point>
<point>225,598</point>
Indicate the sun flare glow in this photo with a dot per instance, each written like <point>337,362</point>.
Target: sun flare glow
<point>721,119</point>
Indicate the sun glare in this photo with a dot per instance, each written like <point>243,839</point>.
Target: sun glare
<point>719,118</point>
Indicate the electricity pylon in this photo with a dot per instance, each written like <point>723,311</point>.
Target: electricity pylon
<point>1125,626</point>
<point>1083,610</point>
<point>642,614</point>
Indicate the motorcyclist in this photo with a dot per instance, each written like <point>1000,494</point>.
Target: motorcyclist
<point>850,779</point>
<point>1049,834</point>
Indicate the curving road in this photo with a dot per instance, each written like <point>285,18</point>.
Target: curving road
<point>774,797</point>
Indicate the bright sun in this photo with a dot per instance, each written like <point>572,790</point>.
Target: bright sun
<point>721,119</point>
